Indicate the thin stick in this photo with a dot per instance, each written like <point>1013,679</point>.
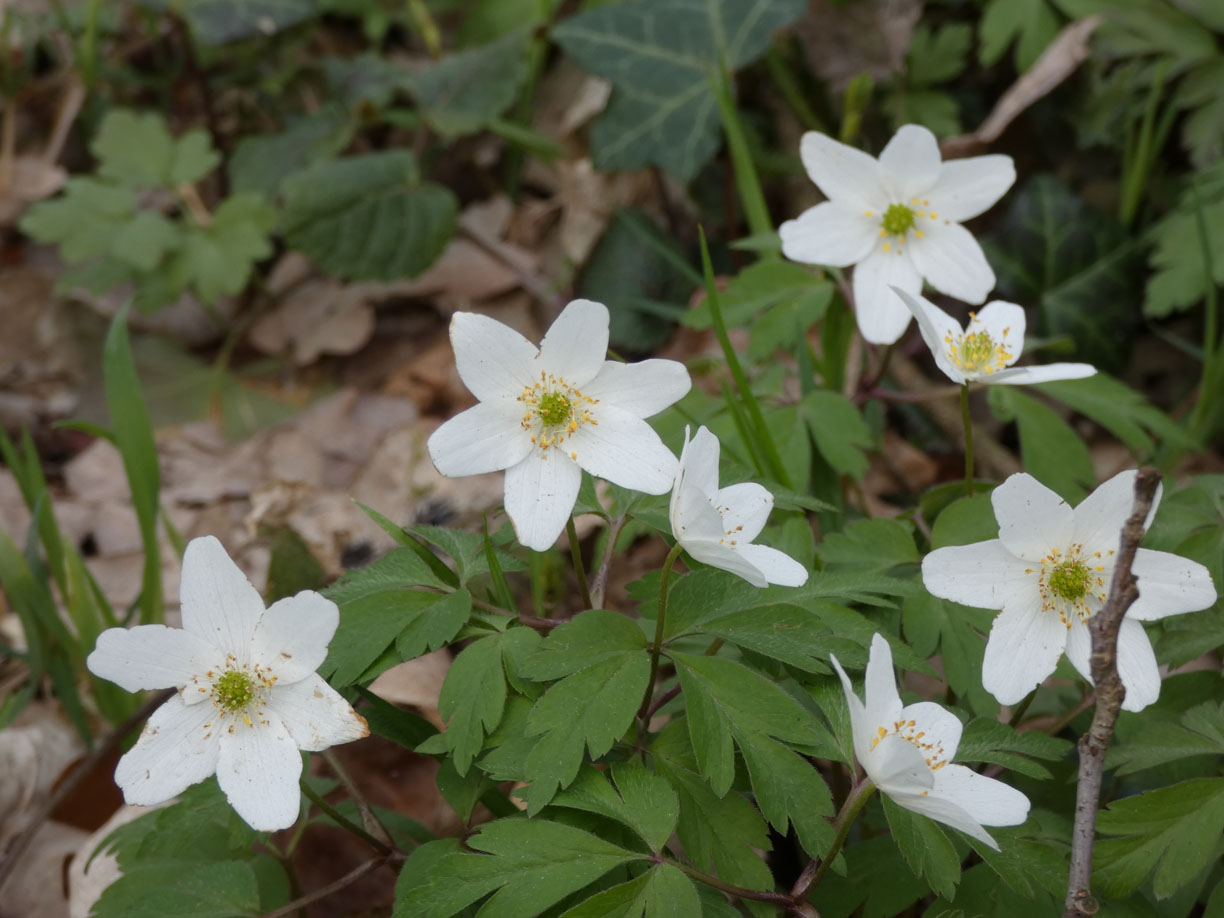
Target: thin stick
<point>344,822</point>
<point>815,871</point>
<point>369,820</point>
<point>657,647</point>
<point>20,846</point>
<point>968,422</point>
<point>600,586</point>
<point>1110,693</point>
<point>335,886</point>
<point>584,591</point>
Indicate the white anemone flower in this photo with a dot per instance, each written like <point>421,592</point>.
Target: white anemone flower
<point>985,349</point>
<point>717,525</point>
<point>907,753</point>
<point>547,413</point>
<point>248,694</point>
<point>898,220</point>
<point>1049,571</point>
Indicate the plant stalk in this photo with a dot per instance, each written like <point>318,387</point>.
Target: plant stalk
<point>968,422</point>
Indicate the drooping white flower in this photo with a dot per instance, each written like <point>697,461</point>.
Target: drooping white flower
<point>1049,571</point>
<point>907,752</point>
<point>547,413</point>
<point>716,526</point>
<point>248,694</point>
<point>985,349</point>
<point>898,219</point>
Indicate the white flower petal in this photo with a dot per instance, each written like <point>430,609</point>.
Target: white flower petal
<point>292,637</point>
<point>174,751</point>
<point>698,470</point>
<point>258,769</point>
<point>909,163</point>
<point>1023,648</point>
<point>986,800</point>
<point>776,566</point>
<point>882,701</point>
<point>219,604</point>
<point>540,495</point>
<point>984,574</point>
<point>1100,516</point>
<point>576,345</point>
<point>1079,647</point>
<point>832,233</point>
<point>643,389</point>
<point>896,766</point>
<point>694,519</point>
<point>951,260</point>
<point>747,506</point>
<point>624,450</point>
<point>1169,585</point>
<point>949,812</point>
<point>487,437</point>
<point>1032,518</point>
<point>861,731</point>
<point>316,715</point>
<point>493,360</point>
<point>726,558</point>
<point>938,330</point>
<point>1023,376</point>
<point>968,187</point>
<point>1137,666</point>
<point>1004,323</point>
<point>938,725</point>
<point>882,316</point>
<point>843,173</point>
<point>153,657</point>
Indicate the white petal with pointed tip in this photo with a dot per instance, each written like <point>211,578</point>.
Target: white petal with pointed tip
<point>842,172</point>
<point>987,800</point>
<point>1023,648</point>
<point>1032,518</point>
<point>487,437</point>
<point>258,769</point>
<point>1137,666</point>
<point>644,388</point>
<point>938,329</point>
<point>694,519</point>
<point>774,565</point>
<point>909,162</point>
<point>292,637</point>
<point>951,260</point>
<point>174,751</point>
<point>154,657</point>
<point>219,604</point>
<point>1100,516</point>
<point>1169,585</point>
<point>625,450</point>
<point>1050,372</point>
<point>968,187</point>
<point>949,812</point>
<point>316,715</point>
<point>882,702</point>
<point>540,495</point>
<point>832,233</point>
<point>726,558</point>
<point>493,359</point>
<point>860,729</point>
<point>984,574</point>
<point>576,344</point>
<point>699,463</point>
<point>882,317</point>
<point>896,766</point>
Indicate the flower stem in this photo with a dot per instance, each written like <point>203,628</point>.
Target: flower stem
<point>815,871</point>
<point>579,569</point>
<point>343,821</point>
<point>755,895</point>
<point>968,422</point>
<point>657,646</point>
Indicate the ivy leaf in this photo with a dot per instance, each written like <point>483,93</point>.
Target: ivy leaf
<point>986,740</point>
<point>531,864</point>
<point>463,92</point>
<point>641,800</point>
<point>368,217</point>
<point>1174,831</point>
<point>660,56</point>
<point>661,891</point>
<point>216,22</point>
<point>925,848</point>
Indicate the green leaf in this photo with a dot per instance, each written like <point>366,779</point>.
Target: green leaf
<point>403,727</point>
<point>136,149</point>
<point>925,847</point>
<point>986,740</point>
<point>964,521</point>
<point>463,92</point>
<point>1030,23</point>
<point>531,863</point>
<point>838,430</point>
<point>473,699</point>
<point>368,626</point>
<point>261,162</point>
<point>1179,277</point>
<point>1157,742</point>
<point>291,568</point>
<point>368,217</point>
<point>217,259</point>
<point>929,622</point>
<point>467,550</point>
<point>84,221</point>
<point>641,800</point>
<point>1053,453</point>
<point>937,56</point>
<point>188,888</point>
<point>660,55</point>
<point>144,240</point>
<point>216,22</point>
<point>877,545</point>
<point>1119,409</point>
<point>435,625</point>
<point>1174,830</point>
<point>788,633</point>
<point>1078,264</point>
<point>661,891</point>
<point>591,637</point>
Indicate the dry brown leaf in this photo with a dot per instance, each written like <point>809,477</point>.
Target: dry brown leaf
<point>416,684</point>
<point>843,40</point>
<point>33,179</point>
<point>318,316</point>
<point>33,754</point>
<point>86,886</point>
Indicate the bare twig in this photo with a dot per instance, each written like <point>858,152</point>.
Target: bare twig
<point>600,584</point>
<point>345,881</point>
<point>370,822</point>
<point>1109,693</point>
<point>21,844</point>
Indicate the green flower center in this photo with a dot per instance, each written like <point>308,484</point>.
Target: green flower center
<point>977,351</point>
<point>233,691</point>
<point>898,220</point>
<point>1070,580</point>
<point>554,409</point>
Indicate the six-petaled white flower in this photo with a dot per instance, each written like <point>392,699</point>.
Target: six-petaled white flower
<point>716,526</point>
<point>985,349</point>
<point>898,220</point>
<point>907,753</point>
<point>249,697</point>
<point>545,414</point>
<point>1049,571</point>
